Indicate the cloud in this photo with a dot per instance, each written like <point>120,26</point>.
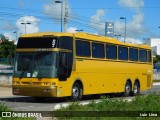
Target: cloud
<point>20,28</point>
<point>100,13</point>
<point>72,29</point>
<point>53,10</point>
<point>132,4</point>
<point>130,40</point>
<point>7,25</point>
<point>96,21</point>
<point>137,20</point>
<point>135,27</point>
<point>137,24</point>
<point>29,28</point>
<point>9,36</point>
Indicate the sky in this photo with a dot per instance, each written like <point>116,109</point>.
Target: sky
<point>142,17</point>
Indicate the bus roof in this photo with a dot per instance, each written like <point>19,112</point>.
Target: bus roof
<point>41,34</point>
<point>86,36</point>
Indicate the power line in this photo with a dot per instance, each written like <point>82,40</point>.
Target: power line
<point>154,7</point>
<point>73,18</point>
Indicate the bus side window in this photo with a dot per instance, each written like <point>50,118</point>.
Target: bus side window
<point>63,59</point>
<point>63,66</point>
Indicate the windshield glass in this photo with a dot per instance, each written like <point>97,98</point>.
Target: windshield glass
<point>37,64</point>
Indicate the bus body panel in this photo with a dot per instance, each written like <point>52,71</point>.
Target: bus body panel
<point>111,76</point>
<point>98,75</point>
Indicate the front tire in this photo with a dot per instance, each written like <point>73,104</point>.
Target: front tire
<point>76,92</point>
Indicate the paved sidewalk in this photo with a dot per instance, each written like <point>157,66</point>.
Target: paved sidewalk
<point>5,92</point>
<point>156,83</point>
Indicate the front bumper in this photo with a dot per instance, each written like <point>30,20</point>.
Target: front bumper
<point>36,91</point>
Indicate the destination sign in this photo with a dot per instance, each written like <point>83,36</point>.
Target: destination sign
<point>37,42</point>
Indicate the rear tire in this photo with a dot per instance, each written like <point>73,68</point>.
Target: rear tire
<point>76,92</point>
<point>136,89</point>
<point>127,89</point>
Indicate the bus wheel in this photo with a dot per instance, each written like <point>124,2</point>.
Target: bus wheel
<point>136,89</point>
<point>127,89</point>
<point>76,92</point>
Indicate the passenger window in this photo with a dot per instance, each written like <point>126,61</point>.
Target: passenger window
<point>122,53</point>
<point>111,51</point>
<point>142,55</point>
<point>97,50</point>
<point>133,54</point>
<point>83,48</point>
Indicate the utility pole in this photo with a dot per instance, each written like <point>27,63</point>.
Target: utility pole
<point>125,28</point>
<point>66,16</point>
<point>61,12</point>
<point>15,32</point>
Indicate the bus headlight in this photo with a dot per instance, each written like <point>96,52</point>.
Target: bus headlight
<point>53,84</point>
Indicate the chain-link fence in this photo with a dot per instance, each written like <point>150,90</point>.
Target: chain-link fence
<point>6,61</point>
<point>6,71</point>
<point>156,73</point>
<point>6,66</point>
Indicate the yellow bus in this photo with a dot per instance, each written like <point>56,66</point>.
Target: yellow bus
<point>51,64</point>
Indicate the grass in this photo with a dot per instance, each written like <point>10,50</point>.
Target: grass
<point>156,80</point>
<point>4,108</point>
<point>116,109</point>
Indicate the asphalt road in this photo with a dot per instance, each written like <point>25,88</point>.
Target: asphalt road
<point>30,104</point>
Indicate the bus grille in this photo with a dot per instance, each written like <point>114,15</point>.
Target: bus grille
<point>31,83</point>
<point>24,83</point>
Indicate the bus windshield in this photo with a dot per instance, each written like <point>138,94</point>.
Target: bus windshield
<point>36,64</point>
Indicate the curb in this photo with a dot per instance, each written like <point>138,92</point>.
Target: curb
<point>156,83</point>
<point>64,105</point>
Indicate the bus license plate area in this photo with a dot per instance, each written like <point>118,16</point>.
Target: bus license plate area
<point>16,91</point>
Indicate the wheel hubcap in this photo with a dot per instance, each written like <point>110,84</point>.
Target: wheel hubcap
<point>75,92</point>
<point>128,89</point>
<point>135,89</point>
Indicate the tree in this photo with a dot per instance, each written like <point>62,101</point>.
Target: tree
<point>156,59</point>
<point>7,48</point>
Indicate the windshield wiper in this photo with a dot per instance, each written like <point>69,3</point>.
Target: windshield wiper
<point>23,71</point>
<point>22,74</point>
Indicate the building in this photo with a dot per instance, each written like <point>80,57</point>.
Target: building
<point>155,44</point>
